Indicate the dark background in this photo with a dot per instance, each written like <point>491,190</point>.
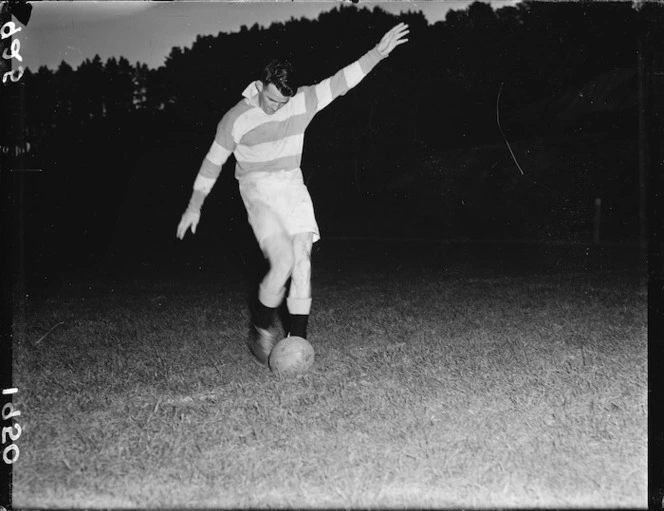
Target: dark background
<point>414,151</point>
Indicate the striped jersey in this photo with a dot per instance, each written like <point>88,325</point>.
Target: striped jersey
<point>265,143</point>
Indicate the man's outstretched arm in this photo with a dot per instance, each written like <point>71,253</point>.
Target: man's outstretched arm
<point>347,78</point>
<point>206,178</point>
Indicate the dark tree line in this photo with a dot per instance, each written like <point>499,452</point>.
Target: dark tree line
<point>415,149</point>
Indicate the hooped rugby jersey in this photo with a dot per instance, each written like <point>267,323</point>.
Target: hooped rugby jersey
<point>262,142</point>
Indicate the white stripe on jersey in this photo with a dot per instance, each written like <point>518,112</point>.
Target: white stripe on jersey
<point>255,117</point>
<point>204,184</point>
<point>218,154</point>
<point>324,93</point>
<point>270,151</point>
<point>353,74</point>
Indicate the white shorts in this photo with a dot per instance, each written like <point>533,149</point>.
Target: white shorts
<point>278,202</point>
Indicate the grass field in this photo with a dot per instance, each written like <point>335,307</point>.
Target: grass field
<point>499,380</point>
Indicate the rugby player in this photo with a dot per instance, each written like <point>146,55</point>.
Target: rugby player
<point>265,133</point>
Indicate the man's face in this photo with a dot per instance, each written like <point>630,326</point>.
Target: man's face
<point>269,98</point>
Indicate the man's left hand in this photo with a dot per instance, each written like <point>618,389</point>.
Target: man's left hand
<point>392,39</point>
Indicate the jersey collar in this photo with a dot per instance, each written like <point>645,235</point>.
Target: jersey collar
<point>251,93</point>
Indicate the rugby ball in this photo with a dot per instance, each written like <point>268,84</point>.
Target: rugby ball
<point>292,355</point>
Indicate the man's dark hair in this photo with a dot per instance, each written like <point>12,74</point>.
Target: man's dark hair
<point>280,73</point>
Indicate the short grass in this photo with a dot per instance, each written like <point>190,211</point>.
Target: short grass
<point>431,388</point>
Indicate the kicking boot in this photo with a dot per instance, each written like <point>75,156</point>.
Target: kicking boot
<point>261,342</point>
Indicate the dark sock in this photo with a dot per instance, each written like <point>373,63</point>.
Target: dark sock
<point>264,316</point>
<point>298,325</point>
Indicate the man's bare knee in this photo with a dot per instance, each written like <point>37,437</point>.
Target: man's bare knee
<point>279,252</point>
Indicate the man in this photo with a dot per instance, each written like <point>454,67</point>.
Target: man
<point>265,132</point>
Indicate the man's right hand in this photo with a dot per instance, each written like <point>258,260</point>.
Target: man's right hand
<point>189,219</point>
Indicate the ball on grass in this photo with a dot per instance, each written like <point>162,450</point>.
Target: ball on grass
<point>292,355</point>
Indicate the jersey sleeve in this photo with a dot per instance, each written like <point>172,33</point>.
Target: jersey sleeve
<point>323,93</point>
<point>221,148</point>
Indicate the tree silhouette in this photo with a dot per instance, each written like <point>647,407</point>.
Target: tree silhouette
<point>90,80</point>
<point>119,90</point>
